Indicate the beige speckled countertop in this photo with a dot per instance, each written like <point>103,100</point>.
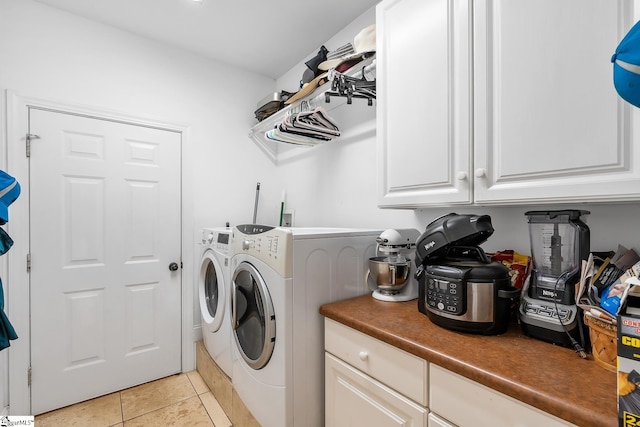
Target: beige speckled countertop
<point>548,377</point>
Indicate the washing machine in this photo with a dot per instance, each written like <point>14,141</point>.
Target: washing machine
<point>280,278</point>
<point>214,282</point>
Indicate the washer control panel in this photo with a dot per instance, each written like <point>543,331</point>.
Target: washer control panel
<point>217,238</point>
<point>267,244</point>
<point>272,245</point>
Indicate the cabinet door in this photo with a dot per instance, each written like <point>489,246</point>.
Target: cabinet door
<point>423,102</point>
<point>436,421</point>
<point>548,123</point>
<point>355,399</point>
<point>469,404</point>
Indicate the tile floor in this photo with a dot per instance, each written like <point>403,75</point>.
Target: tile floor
<point>178,400</point>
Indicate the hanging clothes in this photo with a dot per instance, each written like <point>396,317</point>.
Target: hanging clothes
<point>9,192</point>
<point>7,332</point>
<point>5,242</point>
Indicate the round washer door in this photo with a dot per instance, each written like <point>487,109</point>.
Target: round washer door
<point>252,316</point>
<point>211,291</point>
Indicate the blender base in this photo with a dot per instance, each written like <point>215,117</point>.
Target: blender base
<point>549,329</point>
<point>553,337</point>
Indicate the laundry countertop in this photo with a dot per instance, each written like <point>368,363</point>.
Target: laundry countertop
<point>551,378</point>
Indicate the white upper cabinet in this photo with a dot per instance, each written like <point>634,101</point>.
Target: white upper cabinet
<point>537,120</point>
<point>548,123</point>
<point>424,103</point>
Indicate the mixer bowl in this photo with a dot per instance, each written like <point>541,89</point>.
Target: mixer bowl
<point>389,277</point>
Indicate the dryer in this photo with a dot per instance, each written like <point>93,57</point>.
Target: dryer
<point>214,283</point>
<point>280,278</point>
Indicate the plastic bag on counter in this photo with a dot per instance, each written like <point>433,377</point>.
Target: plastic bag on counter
<point>518,265</point>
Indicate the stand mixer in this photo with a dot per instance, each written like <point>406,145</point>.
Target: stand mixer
<point>391,274</point>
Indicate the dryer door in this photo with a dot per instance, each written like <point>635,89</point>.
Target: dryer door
<point>211,291</point>
<point>252,315</point>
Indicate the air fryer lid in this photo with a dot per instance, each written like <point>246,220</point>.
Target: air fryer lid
<point>452,230</point>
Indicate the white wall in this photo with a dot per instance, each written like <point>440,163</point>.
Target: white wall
<point>334,184</point>
<point>52,55</point>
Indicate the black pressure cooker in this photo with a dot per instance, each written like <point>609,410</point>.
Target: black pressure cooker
<point>459,288</point>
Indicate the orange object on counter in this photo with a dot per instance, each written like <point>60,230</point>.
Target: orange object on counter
<point>518,265</point>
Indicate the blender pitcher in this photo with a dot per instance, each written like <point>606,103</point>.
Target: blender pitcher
<point>559,243</point>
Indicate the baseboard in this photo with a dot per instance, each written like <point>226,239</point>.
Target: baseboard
<point>197,333</point>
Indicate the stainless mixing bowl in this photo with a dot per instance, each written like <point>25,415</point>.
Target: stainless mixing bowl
<point>389,277</point>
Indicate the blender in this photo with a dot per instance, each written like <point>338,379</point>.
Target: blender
<point>559,243</point>
<point>390,276</point>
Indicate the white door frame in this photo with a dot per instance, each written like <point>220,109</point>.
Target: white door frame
<point>16,277</point>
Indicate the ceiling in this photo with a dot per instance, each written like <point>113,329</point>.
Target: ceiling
<point>267,37</point>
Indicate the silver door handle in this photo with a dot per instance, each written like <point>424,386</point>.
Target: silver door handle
<point>234,311</point>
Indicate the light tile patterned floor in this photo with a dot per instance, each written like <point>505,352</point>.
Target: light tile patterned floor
<point>178,400</point>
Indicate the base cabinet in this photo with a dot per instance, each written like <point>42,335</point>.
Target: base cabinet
<point>355,399</point>
<point>369,383</point>
<point>436,421</point>
<point>467,403</point>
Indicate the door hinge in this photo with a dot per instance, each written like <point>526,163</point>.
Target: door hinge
<point>29,376</point>
<point>29,137</point>
<point>28,263</point>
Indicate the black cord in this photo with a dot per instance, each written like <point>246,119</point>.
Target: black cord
<point>576,345</point>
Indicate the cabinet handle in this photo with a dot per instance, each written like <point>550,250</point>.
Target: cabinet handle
<point>363,355</point>
<point>480,173</point>
<point>462,176</point>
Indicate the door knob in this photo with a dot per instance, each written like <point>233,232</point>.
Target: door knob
<point>173,266</point>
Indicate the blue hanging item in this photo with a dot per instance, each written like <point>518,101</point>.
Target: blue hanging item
<point>5,242</point>
<point>626,66</point>
<point>7,333</point>
<point>9,192</point>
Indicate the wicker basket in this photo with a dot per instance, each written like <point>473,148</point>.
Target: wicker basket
<point>604,342</point>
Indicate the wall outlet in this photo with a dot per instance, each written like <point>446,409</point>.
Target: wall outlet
<point>287,219</point>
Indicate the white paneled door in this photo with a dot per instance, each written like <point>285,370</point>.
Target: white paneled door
<point>105,229</point>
